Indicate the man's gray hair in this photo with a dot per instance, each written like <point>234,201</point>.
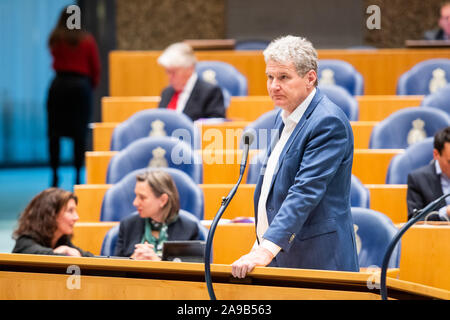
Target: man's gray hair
<point>179,54</point>
<point>293,49</point>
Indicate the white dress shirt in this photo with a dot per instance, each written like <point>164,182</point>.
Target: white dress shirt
<point>290,122</point>
<point>186,93</point>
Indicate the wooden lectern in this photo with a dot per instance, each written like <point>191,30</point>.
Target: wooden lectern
<point>53,277</point>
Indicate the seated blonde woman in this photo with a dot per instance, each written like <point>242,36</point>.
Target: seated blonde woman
<point>141,236</point>
<point>46,225</point>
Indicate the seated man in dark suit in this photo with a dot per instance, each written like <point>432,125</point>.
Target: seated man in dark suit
<point>428,183</point>
<point>443,33</point>
<point>188,93</point>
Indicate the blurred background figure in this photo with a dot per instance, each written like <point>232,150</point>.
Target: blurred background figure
<point>443,33</point>
<point>187,93</point>
<point>69,105</point>
<point>46,225</point>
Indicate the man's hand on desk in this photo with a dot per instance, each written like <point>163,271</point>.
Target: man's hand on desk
<point>245,264</point>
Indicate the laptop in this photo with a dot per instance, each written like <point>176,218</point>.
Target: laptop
<point>184,251</point>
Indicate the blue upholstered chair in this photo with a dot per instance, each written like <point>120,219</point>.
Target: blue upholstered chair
<point>251,44</point>
<point>374,232</point>
<point>359,194</point>
<point>343,99</point>
<point>410,124</point>
<point>414,157</point>
<point>155,152</point>
<point>224,75</point>
<point>341,73</point>
<point>263,128</point>
<point>440,99</point>
<point>118,200</point>
<point>110,239</point>
<point>155,122</point>
<point>424,78</point>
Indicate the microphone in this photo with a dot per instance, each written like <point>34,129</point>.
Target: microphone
<point>417,216</point>
<point>247,139</point>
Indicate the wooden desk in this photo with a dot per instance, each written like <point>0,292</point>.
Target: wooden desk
<point>47,277</point>
<point>231,240</point>
<point>225,135</point>
<point>136,73</point>
<point>371,107</point>
<point>227,160</point>
<point>385,198</point>
<point>425,256</point>
<point>369,165</point>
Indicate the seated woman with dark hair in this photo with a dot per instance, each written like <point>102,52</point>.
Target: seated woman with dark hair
<point>141,236</point>
<point>46,225</point>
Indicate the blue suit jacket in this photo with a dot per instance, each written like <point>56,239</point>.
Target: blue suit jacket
<point>308,206</point>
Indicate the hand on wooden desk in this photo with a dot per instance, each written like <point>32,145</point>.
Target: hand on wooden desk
<point>245,264</point>
<point>68,251</point>
<point>144,251</point>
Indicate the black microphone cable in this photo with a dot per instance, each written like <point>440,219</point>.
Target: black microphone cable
<point>248,139</point>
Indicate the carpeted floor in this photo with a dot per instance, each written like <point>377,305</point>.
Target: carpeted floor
<point>18,187</point>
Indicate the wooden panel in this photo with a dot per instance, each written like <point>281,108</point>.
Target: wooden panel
<point>377,108</point>
<point>102,134</point>
<point>118,109</point>
<point>371,107</point>
<point>361,133</point>
<point>97,166</point>
<point>136,73</point>
<point>370,165</point>
<point>35,286</point>
<point>389,199</point>
<point>89,235</point>
<point>90,198</point>
<point>225,135</point>
<point>249,108</point>
<point>47,277</point>
<point>231,240</point>
<point>385,198</point>
<point>228,160</point>
<point>425,255</point>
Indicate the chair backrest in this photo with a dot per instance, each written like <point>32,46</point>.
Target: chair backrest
<point>440,99</point>
<point>224,75</point>
<point>343,99</point>
<point>110,239</point>
<point>414,157</point>
<point>251,44</point>
<point>118,200</point>
<point>425,77</point>
<point>155,122</point>
<point>155,152</point>
<point>263,128</point>
<point>374,232</point>
<point>340,73</point>
<point>407,126</point>
<point>359,194</point>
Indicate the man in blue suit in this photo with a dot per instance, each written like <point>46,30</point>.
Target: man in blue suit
<point>302,198</point>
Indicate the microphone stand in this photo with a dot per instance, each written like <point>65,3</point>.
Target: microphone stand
<point>225,201</point>
<point>418,215</point>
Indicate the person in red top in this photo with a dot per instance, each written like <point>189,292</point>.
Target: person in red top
<point>69,106</point>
